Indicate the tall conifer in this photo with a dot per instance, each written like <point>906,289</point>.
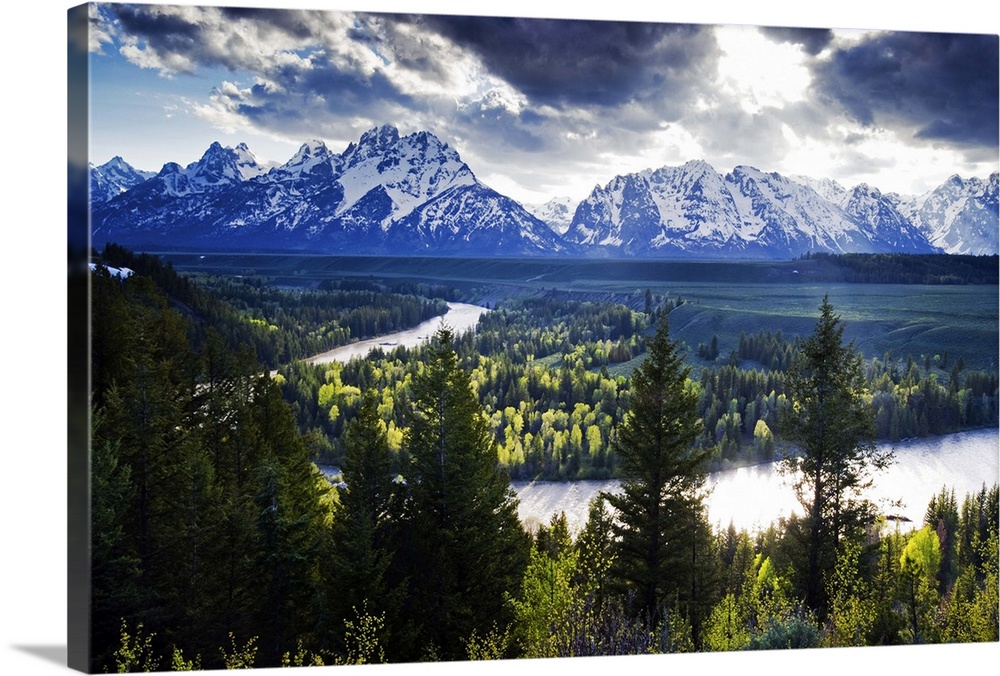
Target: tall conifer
<point>661,528</point>
<point>833,427</point>
<point>363,522</point>
<point>469,549</point>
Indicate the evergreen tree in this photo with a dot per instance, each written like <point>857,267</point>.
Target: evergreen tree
<point>287,497</point>
<point>833,427</point>
<point>469,550</point>
<point>661,526</point>
<point>361,532</point>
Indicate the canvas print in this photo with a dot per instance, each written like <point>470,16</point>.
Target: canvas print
<point>400,338</point>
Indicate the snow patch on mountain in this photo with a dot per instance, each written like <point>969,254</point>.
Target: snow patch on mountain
<point>557,213</point>
<point>694,210</point>
<point>113,178</point>
<point>960,216</point>
<point>384,194</point>
<point>393,194</point>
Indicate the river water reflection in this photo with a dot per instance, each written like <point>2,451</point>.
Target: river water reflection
<point>752,497</point>
<point>459,318</point>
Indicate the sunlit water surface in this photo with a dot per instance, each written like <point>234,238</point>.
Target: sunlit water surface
<point>753,497</point>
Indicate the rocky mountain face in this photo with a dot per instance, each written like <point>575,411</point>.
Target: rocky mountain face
<point>959,216</point>
<point>692,210</point>
<point>113,178</point>
<point>384,194</point>
<point>408,195</point>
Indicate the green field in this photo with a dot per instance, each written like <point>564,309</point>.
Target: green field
<point>723,298</point>
<point>903,319</point>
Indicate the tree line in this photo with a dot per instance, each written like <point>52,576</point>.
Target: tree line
<point>285,324</point>
<point>889,268</point>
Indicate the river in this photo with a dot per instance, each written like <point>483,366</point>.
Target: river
<point>460,317</point>
<point>752,497</point>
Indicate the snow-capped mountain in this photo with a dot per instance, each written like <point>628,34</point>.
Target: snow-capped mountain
<point>692,210</point>
<point>557,213</point>
<point>113,178</point>
<point>384,194</point>
<point>959,216</point>
<point>218,168</point>
<point>402,195</point>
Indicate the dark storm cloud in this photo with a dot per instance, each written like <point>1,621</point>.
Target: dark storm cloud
<point>296,86</point>
<point>166,32</point>
<point>220,41</point>
<point>569,62</point>
<point>318,90</point>
<point>812,40</point>
<point>348,92</point>
<point>299,24</point>
<point>943,86</point>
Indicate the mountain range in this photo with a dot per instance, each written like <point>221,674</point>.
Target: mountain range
<point>410,195</point>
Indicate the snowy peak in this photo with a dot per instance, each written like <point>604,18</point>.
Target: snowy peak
<point>960,216</point>
<point>826,188</point>
<point>373,143</point>
<point>113,178</point>
<point>393,194</point>
<point>557,213</point>
<point>693,210</point>
<point>409,171</point>
<point>312,159</point>
<point>224,166</point>
<point>383,194</point>
<point>878,217</point>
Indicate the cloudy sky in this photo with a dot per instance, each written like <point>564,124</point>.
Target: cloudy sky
<point>547,107</point>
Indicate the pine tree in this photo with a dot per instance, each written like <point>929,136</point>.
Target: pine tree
<point>661,528</point>
<point>362,524</point>
<point>469,549</point>
<point>833,427</point>
<point>290,522</point>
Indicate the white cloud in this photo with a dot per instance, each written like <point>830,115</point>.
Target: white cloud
<point>760,73</point>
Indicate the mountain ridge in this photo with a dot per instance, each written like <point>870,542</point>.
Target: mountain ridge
<point>403,195</point>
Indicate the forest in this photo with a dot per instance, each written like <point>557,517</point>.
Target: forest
<point>218,543</point>
<point>553,376</point>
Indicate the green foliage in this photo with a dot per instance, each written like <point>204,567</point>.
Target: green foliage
<point>361,639</point>
<point>853,600</point>
<point>363,530</point>
<point>207,511</point>
<point>727,627</point>
<point>135,652</point>
<point>919,564</point>
<point>178,663</point>
<point>492,646</point>
<point>942,516</point>
<point>239,657</point>
<point>794,632</point>
<point>301,658</point>
<point>282,324</point>
<point>760,603</point>
<point>116,590</point>
<point>890,268</point>
<point>546,602</point>
<point>211,521</point>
